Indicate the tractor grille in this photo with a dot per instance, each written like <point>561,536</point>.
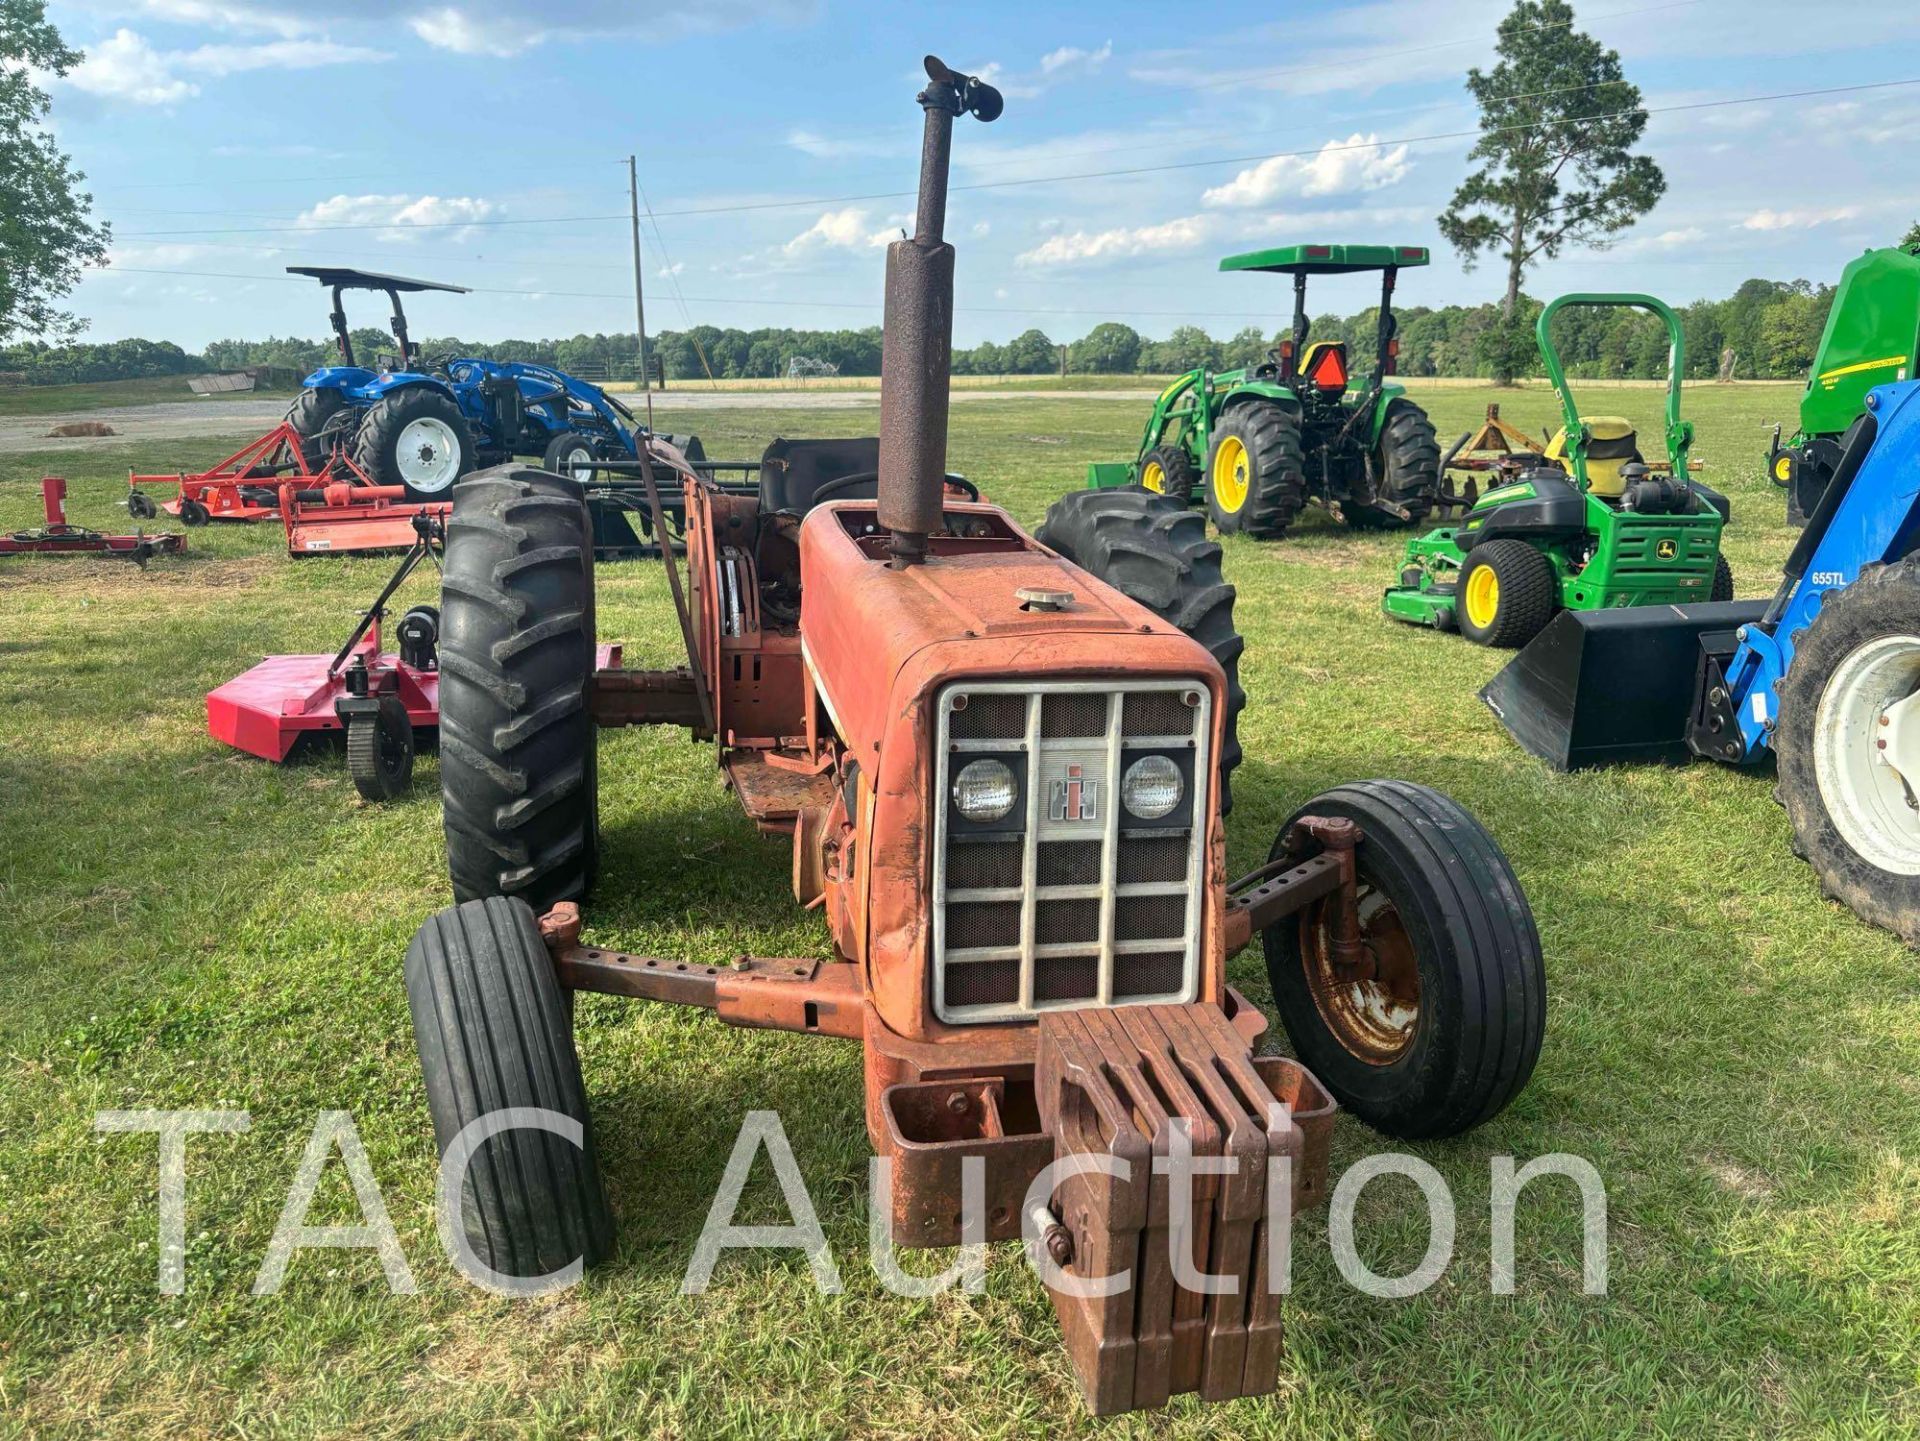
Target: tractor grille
<point>1069,901</point>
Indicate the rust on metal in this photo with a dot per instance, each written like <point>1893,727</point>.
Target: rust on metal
<point>618,697</point>
<point>759,992</point>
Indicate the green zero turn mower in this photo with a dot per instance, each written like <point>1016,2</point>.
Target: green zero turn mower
<point>1872,338</point>
<point>1589,525</point>
<point>1258,444</point>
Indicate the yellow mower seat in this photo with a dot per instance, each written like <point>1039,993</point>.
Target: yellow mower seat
<point>1612,445</point>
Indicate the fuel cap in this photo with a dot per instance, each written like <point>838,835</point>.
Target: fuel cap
<point>1033,597</point>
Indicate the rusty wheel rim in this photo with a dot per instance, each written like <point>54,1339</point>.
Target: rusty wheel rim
<point>1375,1019</point>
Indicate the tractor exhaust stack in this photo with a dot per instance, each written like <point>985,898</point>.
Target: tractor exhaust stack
<point>916,355</point>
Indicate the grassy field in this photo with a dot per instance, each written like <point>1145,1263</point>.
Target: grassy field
<point>187,927</point>
<point>62,399</point>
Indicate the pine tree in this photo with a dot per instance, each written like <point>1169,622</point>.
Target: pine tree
<point>1558,122</point>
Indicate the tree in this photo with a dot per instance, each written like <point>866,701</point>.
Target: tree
<point>1557,127</point>
<point>1031,353</point>
<point>1110,348</point>
<point>46,236</point>
<point>1913,236</point>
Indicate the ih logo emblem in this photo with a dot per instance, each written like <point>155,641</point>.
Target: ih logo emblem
<point>1667,549</point>
<point>1074,797</point>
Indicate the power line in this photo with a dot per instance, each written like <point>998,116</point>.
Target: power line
<point>1120,173</point>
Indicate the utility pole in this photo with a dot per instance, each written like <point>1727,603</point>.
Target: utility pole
<point>639,300</point>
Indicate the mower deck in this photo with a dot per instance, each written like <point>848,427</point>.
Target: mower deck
<point>59,536</point>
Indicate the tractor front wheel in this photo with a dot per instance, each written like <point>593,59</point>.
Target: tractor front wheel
<point>1168,470</point>
<point>572,456</point>
<point>415,437</point>
<point>493,1030</point>
<point>1506,594</point>
<point>1256,476</point>
<point>1407,467</point>
<point>1848,743</point>
<point>517,762</point>
<point>1154,550</point>
<point>1722,579</point>
<point>1441,1026</point>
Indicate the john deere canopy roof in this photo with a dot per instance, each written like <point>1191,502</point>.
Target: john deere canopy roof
<point>368,279</point>
<point>1327,259</point>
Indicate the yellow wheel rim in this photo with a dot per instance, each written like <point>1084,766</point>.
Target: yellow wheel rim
<point>1783,469</point>
<point>1483,597</point>
<point>1153,476</point>
<point>1230,473</point>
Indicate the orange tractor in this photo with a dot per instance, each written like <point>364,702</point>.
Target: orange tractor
<point>1001,761</point>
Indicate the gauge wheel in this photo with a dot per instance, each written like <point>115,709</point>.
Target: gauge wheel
<point>380,750</point>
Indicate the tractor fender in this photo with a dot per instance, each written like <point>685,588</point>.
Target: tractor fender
<point>1264,390</point>
<point>350,379</point>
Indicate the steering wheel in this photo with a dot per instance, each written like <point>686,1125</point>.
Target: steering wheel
<point>833,487</point>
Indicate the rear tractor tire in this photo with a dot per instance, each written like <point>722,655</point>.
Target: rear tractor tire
<point>1506,594</point>
<point>1407,467</point>
<point>517,764</point>
<point>315,416</point>
<point>1256,473</point>
<point>1154,549</point>
<point>1848,744</point>
<point>380,751</point>
<point>492,1028</point>
<point>1447,1029</point>
<point>1168,470</point>
<point>415,437</point>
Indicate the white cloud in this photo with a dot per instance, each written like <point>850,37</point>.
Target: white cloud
<point>982,227</point>
<point>827,147</point>
<point>667,272</point>
<point>1341,167</point>
<point>1072,56</point>
<point>222,15</point>
<point>1182,234</point>
<point>125,68</point>
<point>450,28</point>
<point>1764,219</point>
<point>405,213</point>
<point>844,230</point>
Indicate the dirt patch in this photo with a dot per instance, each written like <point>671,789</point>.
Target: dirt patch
<point>73,429</point>
<point>93,574</point>
<point>1748,1185</point>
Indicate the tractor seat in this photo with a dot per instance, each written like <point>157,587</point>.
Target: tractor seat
<point>1612,446</point>
<point>1324,366</point>
<point>792,470</point>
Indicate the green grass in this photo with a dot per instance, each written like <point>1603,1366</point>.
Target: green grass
<point>190,927</point>
<point>97,395</point>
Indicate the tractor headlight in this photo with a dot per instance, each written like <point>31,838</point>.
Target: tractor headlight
<point>985,791</point>
<point>1151,788</point>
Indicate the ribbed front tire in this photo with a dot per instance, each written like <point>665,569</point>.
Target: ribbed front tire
<point>492,1027</point>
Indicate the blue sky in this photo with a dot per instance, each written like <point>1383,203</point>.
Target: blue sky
<point>482,142</point>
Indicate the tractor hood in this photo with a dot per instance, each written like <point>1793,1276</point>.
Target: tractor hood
<point>991,602</point>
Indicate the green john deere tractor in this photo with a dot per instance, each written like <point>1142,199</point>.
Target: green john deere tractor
<point>1256,445</point>
<point>1589,525</point>
<point>1872,338</point>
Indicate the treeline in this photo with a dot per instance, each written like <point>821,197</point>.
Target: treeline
<point>1771,327</point>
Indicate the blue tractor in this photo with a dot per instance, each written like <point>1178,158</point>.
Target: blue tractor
<point>1823,679</point>
<point>424,423</point>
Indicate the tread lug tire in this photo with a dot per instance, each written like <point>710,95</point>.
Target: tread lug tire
<point>376,444</point>
<point>380,751</point>
<point>1529,593</point>
<point>518,779</point>
<point>1482,980</point>
<point>1884,602</point>
<point>1177,468</point>
<point>1277,470</point>
<point>1154,549</point>
<point>493,1031</point>
<point>1408,464</point>
<point>309,415</point>
<point>1722,579</point>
